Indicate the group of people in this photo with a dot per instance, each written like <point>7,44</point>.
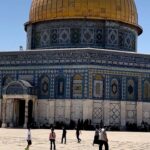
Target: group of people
<point>52,137</point>
<point>100,138</point>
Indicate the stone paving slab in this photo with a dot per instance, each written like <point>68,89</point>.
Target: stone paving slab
<point>15,139</point>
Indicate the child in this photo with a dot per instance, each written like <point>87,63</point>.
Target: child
<point>52,138</point>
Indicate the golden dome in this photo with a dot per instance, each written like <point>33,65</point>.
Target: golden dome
<point>117,10</point>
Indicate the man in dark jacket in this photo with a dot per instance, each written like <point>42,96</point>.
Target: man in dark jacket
<point>64,135</point>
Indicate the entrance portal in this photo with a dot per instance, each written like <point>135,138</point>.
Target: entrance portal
<point>21,112</point>
<point>22,94</point>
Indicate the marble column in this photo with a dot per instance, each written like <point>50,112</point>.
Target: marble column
<point>4,113</point>
<point>12,117</point>
<point>26,114</point>
<point>12,113</point>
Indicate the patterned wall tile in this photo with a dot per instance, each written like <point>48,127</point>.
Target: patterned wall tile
<point>45,38</point>
<point>115,114</point>
<point>97,112</point>
<point>64,36</point>
<point>71,33</point>
<point>112,38</point>
<point>88,36</point>
<point>75,35</point>
<point>54,36</point>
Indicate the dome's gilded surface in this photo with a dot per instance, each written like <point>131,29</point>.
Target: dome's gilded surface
<point>117,10</point>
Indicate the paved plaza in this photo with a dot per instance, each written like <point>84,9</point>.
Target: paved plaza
<point>15,139</point>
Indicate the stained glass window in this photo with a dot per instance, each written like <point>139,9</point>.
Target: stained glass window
<point>146,90</point>
<point>98,86</point>
<point>60,87</point>
<point>44,87</point>
<point>130,89</point>
<point>115,92</point>
<point>77,86</point>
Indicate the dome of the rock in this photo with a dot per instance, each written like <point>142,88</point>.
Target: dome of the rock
<point>123,10</point>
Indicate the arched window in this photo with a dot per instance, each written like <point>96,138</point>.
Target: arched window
<point>131,90</point>
<point>146,90</point>
<point>44,86</point>
<point>98,86</point>
<point>77,86</point>
<point>60,87</point>
<point>115,90</point>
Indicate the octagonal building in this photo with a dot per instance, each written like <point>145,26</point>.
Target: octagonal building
<point>81,63</point>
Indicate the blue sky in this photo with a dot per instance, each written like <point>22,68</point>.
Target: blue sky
<point>14,13</point>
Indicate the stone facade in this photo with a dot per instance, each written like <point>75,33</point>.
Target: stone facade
<point>116,113</point>
<point>72,84</point>
<point>77,68</point>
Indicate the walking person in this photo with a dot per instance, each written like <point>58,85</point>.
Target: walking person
<point>103,140</point>
<point>64,135</point>
<point>52,137</point>
<point>96,136</point>
<point>78,132</point>
<point>29,141</point>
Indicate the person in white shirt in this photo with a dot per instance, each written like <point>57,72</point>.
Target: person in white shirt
<point>103,139</point>
<point>29,141</point>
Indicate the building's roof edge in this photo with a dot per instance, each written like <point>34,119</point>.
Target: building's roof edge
<point>72,49</point>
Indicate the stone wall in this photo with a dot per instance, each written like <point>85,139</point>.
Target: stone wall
<point>111,113</point>
<point>146,112</point>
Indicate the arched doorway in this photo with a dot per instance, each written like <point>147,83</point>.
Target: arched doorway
<point>30,110</point>
<point>22,95</point>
